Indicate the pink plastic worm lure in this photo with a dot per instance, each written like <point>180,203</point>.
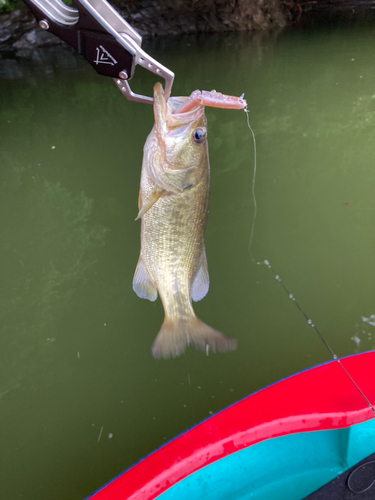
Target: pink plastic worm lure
<point>213,99</point>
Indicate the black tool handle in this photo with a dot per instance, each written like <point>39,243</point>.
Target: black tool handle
<point>107,55</point>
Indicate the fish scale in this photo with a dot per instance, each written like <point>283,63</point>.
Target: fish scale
<point>173,252</point>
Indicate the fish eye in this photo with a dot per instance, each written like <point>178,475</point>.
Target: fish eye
<point>199,135</point>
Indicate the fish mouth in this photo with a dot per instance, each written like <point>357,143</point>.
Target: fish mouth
<point>178,111</point>
<point>176,119</point>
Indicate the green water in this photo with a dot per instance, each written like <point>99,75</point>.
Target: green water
<point>81,397</point>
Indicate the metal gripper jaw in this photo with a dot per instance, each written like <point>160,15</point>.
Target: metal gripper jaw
<point>95,30</point>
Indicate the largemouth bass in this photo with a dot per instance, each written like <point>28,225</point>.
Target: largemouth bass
<point>173,206</point>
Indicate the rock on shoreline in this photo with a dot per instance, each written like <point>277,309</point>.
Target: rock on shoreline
<point>20,32</point>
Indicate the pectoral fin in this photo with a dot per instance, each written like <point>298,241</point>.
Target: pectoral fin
<point>201,281</point>
<point>153,198</point>
<point>143,284</point>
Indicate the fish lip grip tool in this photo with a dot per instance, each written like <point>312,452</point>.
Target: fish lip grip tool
<point>95,30</point>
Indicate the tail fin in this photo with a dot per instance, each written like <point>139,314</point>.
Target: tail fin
<point>176,335</point>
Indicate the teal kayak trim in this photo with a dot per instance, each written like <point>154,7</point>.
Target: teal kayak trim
<point>285,468</point>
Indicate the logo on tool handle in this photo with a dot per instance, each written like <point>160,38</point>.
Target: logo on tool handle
<point>104,57</point>
<point>105,54</point>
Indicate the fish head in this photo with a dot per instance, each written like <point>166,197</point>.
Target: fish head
<point>186,136</point>
<point>179,140</point>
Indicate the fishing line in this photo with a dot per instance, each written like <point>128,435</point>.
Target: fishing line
<point>291,296</point>
<point>247,111</point>
<point>309,321</point>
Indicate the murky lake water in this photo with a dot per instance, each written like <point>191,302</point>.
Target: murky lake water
<point>81,397</point>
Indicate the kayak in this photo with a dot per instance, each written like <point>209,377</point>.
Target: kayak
<point>299,437</point>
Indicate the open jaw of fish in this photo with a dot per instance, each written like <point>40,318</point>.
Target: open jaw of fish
<point>173,206</point>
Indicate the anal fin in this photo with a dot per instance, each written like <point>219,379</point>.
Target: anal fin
<point>143,284</point>
<point>201,281</point>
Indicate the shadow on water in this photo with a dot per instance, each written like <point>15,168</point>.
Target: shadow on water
<point>82,399</point>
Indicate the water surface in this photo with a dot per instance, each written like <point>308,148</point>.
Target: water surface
<point>81,398</point>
